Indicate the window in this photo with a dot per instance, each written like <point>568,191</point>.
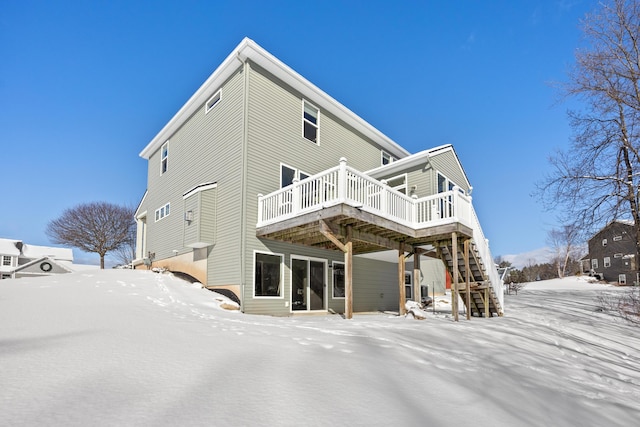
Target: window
<point>407,286</point>
<point>617,238</point>
<point>212,102</point>
<point>618,255</point>
<point>6,260</point>
<point>268,275</point>
<point>164,158</point>
<point>338,279</point>
<point>162,212</point>
<point>604,242</point>
<point>288,174</point>
<point>310,121</point>
<point>607,262</point>
<point>622,279</point>
<point>594,263</point>
<point>387,158</point>
<point>398,183</point>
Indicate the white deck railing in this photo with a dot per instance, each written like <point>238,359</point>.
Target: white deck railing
<point>343,184</point>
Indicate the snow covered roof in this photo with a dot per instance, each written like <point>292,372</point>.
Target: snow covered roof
<point>33,251</point>
<point>8,247</point>
<point>250,50</point>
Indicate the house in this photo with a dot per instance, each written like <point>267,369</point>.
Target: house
<point>22,260</point>
<point>612,253</point>
<point>264,186</point>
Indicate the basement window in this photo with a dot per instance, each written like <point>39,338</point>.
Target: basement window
<point>268,275</point>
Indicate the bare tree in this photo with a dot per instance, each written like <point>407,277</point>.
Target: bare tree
<point>598,178</point>
<point>127,252</point>
<point>564,241</point>
<point>96,227</point>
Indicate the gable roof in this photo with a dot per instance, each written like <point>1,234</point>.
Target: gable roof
<point>8,247</point>
<point>63,265</point>
<point>60,254</point>
<point>415,160</point>
<point>250,50</point>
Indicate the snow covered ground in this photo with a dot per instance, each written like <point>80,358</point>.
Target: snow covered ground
<point>121,347</point>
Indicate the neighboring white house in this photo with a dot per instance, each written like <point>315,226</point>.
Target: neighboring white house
<point>18,259</point>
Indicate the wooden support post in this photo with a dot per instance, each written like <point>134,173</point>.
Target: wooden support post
<point>486,302</point>
<point>417,289</point>
<point>348,277</point>
<point>467,273</point>
<point>401,270</point>
<point>455,278</point>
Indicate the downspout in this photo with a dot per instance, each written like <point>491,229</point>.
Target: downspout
<point>243,179</point>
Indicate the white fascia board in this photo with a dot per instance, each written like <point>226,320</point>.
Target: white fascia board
<point>413,160</point>
<point>250,50</point>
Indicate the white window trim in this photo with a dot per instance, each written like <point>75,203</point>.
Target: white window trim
<point>163,157</point>
<point>333,285</point>
<point>618,255</point>
<point>213,101</point>
<point>617,238</point>
<point>604,242</point>
<point>624,279</point>
<point>282,282</point>
<point>607,262</point>
<point>161,212</point>
<point>398,187</point>
<point>382,155</point>
<point>10,261</point>
<point>408,274</point>
<point>317,125</point>
<point>594,263</point>
<point>296,174</point>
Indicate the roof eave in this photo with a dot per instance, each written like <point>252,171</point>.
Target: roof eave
<point>248,49</point>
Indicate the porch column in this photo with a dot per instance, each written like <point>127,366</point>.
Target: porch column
<point>348,276</point>
<point>454,279</point>
<point>401,270</point>
<point>417,289</point>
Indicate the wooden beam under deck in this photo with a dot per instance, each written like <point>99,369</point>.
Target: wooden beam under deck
<point>369,232</point>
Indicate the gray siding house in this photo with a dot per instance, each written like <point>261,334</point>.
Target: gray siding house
<point>267,187</point>
<point>612,253</point>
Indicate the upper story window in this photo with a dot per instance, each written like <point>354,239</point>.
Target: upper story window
<point>617,238</point>
<point>604,242</point>
<point>288,174</point>
<point>162,212</point>
<point>164,157</point>
<point>213,101</point>
<point>310,122</point>
<point>607,261</point>
<point>387,158</point>
<point>6,260</point>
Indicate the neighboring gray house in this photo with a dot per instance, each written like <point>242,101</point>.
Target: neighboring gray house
<point>264,185</point>
<point>18,259</point>
<point>612,253</point>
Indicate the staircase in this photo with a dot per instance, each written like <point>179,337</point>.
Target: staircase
<point>483,299</point>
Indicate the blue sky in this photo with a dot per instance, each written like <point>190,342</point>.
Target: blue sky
<point>85,85</point>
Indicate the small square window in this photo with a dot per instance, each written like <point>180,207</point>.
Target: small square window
<point>213,101</point>
<point>6,260</point>
<point>604,242</point>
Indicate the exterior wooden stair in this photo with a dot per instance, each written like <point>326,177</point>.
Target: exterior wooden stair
<point>483,300</point>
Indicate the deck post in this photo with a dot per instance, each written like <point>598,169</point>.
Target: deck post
<point>348,276</point>
<point>342,180</point>
<point>467,273</point>
<point>295,196</point>
<point>417,289</point>
<point>486,302</point>
<point>455,278</point>
<point>401,289</point>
